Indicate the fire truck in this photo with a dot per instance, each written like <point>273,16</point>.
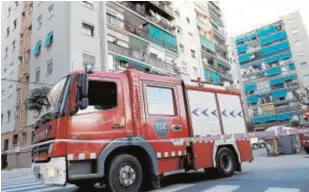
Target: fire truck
<point>127,130</point>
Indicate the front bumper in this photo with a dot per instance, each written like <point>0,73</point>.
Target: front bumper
<point>52,172</point>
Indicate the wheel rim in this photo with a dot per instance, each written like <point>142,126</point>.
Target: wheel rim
<point>226,163</point>
<point>126,175</point>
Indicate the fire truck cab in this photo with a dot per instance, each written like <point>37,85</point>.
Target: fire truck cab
<point>128,129</point>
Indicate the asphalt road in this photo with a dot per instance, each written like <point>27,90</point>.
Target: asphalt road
<point>287,173</point>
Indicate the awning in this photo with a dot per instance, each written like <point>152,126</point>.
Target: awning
<point>49,39</point>
<point>207,44</point>
<point>273,71</point>
<point>253,99</point>
<point>249,88</point>
<point>133,64</point>
<point>284,116</point>
<point>242,48</point>
<point>279,93</point>
<point>290,77</point>
<point>292,66</point>
<point>277,81</point>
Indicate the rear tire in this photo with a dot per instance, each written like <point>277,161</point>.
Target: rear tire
<point>255,146</point>
<point>124,174</point>
<point>307,149</point>
<point>226,164</point>
<point>262,145</point>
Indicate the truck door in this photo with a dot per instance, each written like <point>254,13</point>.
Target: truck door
<point>165,121</point>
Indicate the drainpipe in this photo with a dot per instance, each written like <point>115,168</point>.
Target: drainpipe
<point>103,35</point>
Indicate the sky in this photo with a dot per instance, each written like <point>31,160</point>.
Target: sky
<point>241,16</point>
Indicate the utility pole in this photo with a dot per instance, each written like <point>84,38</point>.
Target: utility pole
<point>103,35</point>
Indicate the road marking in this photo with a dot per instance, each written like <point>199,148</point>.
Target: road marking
<point>19,185</point>
<point>222,188</point>
<point>280,189</point>
<point>24,188</point>
<point>174,188</point>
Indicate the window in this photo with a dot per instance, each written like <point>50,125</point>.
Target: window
<point>300,54</point>
<point>306,77</point>
<point>6,144</point>
<point>181,48</point>
<point>295,31</point>
<point>2,117</point>
<point>292,21</point>
<point>13,45</point>
<point>24,137</point>
<point>88,59</point>
<point>37,75</point>
<point>88,29</point>
<point>49,67</point>
<point>31,6</point>
<point>15,23</point>
<point>9,115</point>
<point>9,11</point>
<point>179,30</point>
<point>95,97</point>
<point>177,13</point>
<point>23,15</point>
<point>50,10</point>
<point>39,20</point>
<point>49,39</point>
<point>37,48</point>
<point>17,112</point>
<point>190,34</point>
<point>7,31</point>
<point>192,53</point>
<point>16,3</point>
<point>160,101</point>
<point>88,4</point>
<point>297,42</point>
<point>304,64</point>
<point>15,139</point>
<point>188,20</point>
<point>6,52</point>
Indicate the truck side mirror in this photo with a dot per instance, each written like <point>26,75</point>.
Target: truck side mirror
<point>83,85</point>
<point>83,103</point>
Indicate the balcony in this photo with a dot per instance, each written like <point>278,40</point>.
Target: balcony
<point>218,32</point>
<point>288,108</point>
<point>140,56</point>
<point>145,33</point>
<point>223,60</point>
<point>144,11</point>
<point>292,86</point>
<point>164,7</point>
<point>214,6</point>
<point>225,74</point>
<point>221,46</point>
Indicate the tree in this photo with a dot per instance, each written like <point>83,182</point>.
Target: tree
<point>302,95</point>
<point>37,99</point>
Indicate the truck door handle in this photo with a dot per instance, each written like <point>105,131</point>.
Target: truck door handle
<point>176,127</point>
<point>117,126</point>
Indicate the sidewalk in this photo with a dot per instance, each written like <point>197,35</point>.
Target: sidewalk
<point>21,172</point>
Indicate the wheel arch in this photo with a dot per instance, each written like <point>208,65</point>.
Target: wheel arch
<point>231,146</point>
<point>136,146</point>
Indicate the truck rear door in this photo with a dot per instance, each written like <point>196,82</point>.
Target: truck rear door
<point>166,124</point>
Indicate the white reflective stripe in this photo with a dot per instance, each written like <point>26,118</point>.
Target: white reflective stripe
<point>159,155</point>
<point>179,153</point>
<point>81,156</point>
<point>165,154</point>
<point>225,188</point>
<point>276,189</point>
<point>93,155</point>
<point>174,188</point>
<point>70,157</point>
<point>173,154</point>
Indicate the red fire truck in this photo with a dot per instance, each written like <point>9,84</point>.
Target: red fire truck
<point>128,129</point>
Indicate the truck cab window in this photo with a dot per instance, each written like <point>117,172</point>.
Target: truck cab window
<point>102,95</point>
<point>160,101</point>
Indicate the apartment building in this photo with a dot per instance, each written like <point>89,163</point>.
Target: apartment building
<point>273,62</point>
<point>161,37</point>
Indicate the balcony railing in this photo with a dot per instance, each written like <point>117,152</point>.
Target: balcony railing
<point>287,108</point>
<point>224,61</point>
<point>141,11</point>
<point>222,72</point>
<point>214,6</point>
<point>163,6</point>
<point>140,32</point>
<point>140,56</point>
<point>220,45</point>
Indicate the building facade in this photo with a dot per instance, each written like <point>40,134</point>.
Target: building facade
<point>273,63</point>
<point>161,37</point>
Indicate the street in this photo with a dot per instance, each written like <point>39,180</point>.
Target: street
<point>286,173</point>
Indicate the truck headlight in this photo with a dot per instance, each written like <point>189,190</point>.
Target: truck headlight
<point>51,172</point>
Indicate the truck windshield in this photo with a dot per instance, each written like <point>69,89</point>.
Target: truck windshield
<point>56,97</point>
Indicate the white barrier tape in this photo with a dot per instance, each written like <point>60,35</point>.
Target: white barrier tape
<point>177,140</point>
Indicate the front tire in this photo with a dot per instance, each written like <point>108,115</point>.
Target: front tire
<point>262,145</point>
<point>124,174</point>
<point>226,164</point>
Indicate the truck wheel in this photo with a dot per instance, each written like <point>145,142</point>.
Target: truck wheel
<point>225,161</point>
<point>255,146</point>
<point>262,145</point>
<point>307,150</point>
<point>124,174</point>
